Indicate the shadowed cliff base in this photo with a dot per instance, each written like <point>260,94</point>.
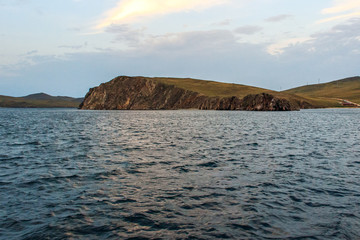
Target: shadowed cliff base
<point>141,93</point>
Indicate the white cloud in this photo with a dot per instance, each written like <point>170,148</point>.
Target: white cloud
<point>342,6</point>
<point>129,10</point>
<point>215,55</point>
<point>278,18</point>
<point>278,47</point>
<point>225,22</point>
<point>340,41</point>
<point>339,17</point>
<point>127,34</point>
<point>341,9</point>
<point>248,30</point>
<point>191,42</point>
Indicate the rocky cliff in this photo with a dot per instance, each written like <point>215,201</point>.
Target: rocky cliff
<point>140,93</point>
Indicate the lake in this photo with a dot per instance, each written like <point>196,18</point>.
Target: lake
<point>72,174</point>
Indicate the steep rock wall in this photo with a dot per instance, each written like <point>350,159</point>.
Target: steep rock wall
<point>139,93</point>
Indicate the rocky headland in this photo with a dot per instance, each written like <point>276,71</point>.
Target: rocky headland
<point>140,93</point>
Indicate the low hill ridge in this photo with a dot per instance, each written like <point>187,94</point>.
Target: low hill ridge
<point>212,94</point>
<point>38,96</point>
<point>39,100</point>
<point>330,94</point>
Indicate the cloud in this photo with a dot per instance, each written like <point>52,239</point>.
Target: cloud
<point>4,3</point>
<point>278,47</point>
<point>191,43</point>
<point>337,44</point>
<point>342,6</point>
<point>32,52</point>
<point>225,22</point>
<point>129,10</point>
<point>342,39</point>
<point>138,40</point>
<point>341,35</point>
<point>214,55</point>
<point>248,30</point>
<point>124,33</point>
<point>71,46</point>
<point>343,9</point>
<point>74,29</point>
<point>343,16</point>
<point>278,18</point>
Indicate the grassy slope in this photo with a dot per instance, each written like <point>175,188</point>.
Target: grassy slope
<point>212,89</point>
<point>20,102</point>
<point>320,95</point>
<point>327,94</point>
<point>44,96</point>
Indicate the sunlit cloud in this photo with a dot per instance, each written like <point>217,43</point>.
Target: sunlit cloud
<point>130,10</point>
<point>339,17</point>
<point>342,6</point>
<point>343,9</point>
<point>278,47</point>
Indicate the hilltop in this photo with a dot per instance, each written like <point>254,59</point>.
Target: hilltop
<point>40,100</point>
<point>221,89</point>
<point>144,93</point>
<point>332,94</point>
<point>177,93</point>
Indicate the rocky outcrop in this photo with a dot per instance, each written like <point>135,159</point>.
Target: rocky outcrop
<point>265,102</point>
<point>139,93</point>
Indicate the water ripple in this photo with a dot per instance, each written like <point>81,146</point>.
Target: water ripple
<point>68,174</point>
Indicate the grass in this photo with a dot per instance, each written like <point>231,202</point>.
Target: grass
<point>219,89</point>
<point>328,93</point>
<point>19,102</point>
<point>213,89</point>
<point>320,95</point>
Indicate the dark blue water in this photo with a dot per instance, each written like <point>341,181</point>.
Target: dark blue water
<point>69,174</point>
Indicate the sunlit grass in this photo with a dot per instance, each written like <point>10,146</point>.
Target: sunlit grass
<point>213,89</point>
<point>328,93</point>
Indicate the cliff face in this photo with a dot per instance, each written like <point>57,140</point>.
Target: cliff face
<point>139,93</point>
<point>265,102</point>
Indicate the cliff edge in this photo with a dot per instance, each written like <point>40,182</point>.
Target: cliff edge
<point>140,93</point>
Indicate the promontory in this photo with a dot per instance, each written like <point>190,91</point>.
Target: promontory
<point>144,93</point>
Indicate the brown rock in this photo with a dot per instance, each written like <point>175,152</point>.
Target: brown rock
<point>139,93</point>
<point>266,102</point>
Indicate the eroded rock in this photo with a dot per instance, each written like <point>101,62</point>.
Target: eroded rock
<point>139,93</point>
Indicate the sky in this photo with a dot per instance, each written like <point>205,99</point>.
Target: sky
<point>65,47</point>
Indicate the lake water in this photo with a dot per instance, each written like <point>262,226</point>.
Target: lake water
<point>71,174</point>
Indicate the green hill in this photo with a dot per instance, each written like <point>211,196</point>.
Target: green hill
<point>311,96</point>
<point>333,94</point>
<point>39,100</point>
<point>330,94</point>
<point>220,89</point>
<point>212,88</point>
<point>44,96</point>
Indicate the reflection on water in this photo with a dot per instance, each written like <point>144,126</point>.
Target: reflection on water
<point>179,174</point>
